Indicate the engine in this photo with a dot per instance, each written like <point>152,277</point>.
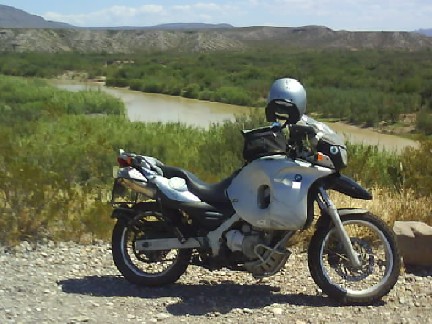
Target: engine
<point>265,251</point>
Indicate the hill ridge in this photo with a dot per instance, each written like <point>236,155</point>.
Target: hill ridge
<point>127,41</point>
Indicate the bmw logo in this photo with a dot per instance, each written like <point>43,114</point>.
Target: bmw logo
<point>298,178</point>
<point>334,150</point>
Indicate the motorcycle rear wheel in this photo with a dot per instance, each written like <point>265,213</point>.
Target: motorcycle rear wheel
<point>375,244</point>
<point>152,268</point>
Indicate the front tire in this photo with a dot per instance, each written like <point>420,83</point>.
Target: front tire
<point>377,250</point>
<point>152,268</point>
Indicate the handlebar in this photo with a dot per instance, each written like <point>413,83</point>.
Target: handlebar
<point>299,132</point>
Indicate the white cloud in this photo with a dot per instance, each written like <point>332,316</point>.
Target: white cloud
<point>148,15</point>
<point>336,14</point>
<point>350,14</point>
<point>112,16</point>
<point>201,12</point>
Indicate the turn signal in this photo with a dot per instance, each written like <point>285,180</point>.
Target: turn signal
<point>319,156</point>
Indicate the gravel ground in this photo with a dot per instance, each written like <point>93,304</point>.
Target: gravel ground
<point>71,283</point>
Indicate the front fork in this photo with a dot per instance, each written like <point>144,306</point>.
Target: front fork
<point>326,204</point>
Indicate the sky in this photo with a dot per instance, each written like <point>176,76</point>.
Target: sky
<point>354,15</point>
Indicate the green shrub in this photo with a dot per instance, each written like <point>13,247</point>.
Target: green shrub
<point>424,122</point>
<point>362,87</point>
<point>417,168</point>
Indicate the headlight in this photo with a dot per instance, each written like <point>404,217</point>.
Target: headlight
<point>344,156</point>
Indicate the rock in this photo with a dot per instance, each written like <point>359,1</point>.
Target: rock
<point>415,242</point>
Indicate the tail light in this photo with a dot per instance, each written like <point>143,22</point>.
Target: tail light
<point>124,162</point>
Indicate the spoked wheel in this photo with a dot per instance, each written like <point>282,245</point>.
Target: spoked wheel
<point>147,268</point>
<point>375,245</point>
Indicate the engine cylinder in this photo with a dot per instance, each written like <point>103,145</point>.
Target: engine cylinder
<point>235,240</point>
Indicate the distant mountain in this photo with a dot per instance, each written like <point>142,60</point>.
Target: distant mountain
<point>427,32</point>
<point>191,26</point>
<point>171,26</point>
<point>11,17</point>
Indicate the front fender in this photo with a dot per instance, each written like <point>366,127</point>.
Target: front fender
<point>348,186</point>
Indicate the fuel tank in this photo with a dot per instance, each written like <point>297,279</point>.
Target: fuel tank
<point>271,192</point>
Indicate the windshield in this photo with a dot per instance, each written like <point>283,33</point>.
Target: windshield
<point>322,130</point>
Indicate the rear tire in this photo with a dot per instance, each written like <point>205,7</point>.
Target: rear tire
<point>153,268</point>
<point>332,271</point>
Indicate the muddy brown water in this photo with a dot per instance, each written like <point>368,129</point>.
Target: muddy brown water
<point>162,108</point>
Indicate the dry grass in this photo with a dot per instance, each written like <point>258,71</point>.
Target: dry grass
<point>85,216</point>
<point>391,206</point>
<point>386,205</point>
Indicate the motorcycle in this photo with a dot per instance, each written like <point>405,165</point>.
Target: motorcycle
<point>171,218</point>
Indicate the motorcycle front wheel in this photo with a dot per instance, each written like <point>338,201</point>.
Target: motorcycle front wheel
<point>146,268</point>
<point>375,244</point>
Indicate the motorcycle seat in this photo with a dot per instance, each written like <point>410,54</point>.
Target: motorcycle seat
<point>210,193</point>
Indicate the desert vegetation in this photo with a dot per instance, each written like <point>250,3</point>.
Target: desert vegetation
<point>57,148</point>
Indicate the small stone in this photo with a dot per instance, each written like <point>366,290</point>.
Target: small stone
<point>162,316</point>
<point>79,319</point>
<point>277,311</point>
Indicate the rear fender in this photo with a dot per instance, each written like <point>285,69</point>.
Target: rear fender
<point>125,214</point>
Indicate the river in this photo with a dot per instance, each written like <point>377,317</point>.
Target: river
<point>162,108</point>
<point>149,107</point>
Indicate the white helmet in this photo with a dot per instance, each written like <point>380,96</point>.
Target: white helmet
<point>286,100</point>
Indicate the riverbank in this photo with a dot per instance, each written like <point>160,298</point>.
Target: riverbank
<point>147,107</point>
<point>152,107</point>
<point>370,136</point>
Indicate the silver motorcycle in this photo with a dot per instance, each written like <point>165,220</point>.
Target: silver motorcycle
<point>167,218</point>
